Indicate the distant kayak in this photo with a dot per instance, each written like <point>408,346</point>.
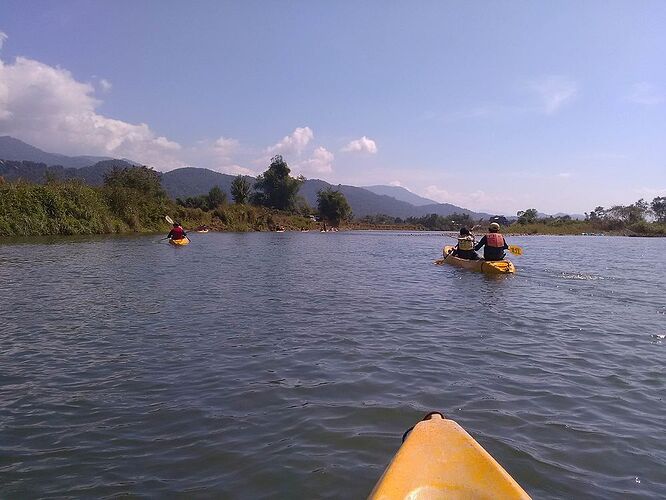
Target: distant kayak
<point>180,242</point>
<point>438,459</point>
<point>481,265</point>
<point>202,231</point>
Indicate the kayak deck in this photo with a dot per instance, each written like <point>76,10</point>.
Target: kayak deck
<point>481,265</point>
<point>438,460</point>
<point>180,242</point>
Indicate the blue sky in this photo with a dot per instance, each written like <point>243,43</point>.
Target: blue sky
<point>496,106</point>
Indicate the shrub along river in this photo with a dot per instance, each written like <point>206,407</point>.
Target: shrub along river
<point>288,365</point>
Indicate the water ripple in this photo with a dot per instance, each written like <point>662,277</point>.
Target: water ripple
<point>289,365</point>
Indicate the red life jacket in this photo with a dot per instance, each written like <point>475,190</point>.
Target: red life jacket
<point>177,233</point>
<point>494,240</point>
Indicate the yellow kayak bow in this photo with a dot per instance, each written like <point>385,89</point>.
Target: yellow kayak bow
<point>439,460</point>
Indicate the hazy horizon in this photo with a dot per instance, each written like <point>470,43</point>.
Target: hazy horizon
<point>493,107</point>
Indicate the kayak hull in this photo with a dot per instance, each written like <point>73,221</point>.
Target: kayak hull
<point>481,265</point>
<point>438,459</point>
<point>179,243</point>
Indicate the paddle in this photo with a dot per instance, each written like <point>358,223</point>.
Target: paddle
<point>515,250</point>
<point>170,221</point>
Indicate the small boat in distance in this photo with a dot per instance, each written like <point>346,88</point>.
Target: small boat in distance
<point>202,229</point>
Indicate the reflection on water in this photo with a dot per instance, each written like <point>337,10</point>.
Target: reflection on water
<point>289,365</point>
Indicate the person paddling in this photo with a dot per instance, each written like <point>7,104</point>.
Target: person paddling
<point>465,247</point>
<point>493,242</point>
<point>177,232</point>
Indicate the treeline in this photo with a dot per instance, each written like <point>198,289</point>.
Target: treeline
<point>431,222</point>
<point>274,189</point>
<point>639,218</point>
<point>132,200</point>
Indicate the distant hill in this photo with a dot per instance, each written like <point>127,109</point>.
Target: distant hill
<point>38,172</point>
<point>365,202</point>
<point>401,194</point>
<point>17,150</point>
<point>19,160</point>
<point>192,181</point>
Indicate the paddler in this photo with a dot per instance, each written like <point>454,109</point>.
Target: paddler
<point>493,242</point>
<point>177,232</point>
<point>465,247</point>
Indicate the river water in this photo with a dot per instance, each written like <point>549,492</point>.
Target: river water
<point>288,365</point>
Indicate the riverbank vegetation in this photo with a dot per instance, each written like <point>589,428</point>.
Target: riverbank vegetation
<point>132,200</point>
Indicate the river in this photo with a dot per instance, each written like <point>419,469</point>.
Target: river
<point>288,365</point>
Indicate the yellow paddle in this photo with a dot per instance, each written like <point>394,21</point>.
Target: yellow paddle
<point>515,250</point>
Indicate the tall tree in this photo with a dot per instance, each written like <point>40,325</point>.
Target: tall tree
<point>276,188</point>
<point>333,206</point>
<point>527,216</point>
<point>240,190</point>
<point>216,197</point>
<point>659,208</point>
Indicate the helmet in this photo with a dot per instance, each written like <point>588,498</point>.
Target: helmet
<point>494,226</point>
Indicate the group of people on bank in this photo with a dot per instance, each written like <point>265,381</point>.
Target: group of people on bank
<point>493,244</point>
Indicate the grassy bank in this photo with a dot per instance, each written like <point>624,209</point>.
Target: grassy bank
<point>124,205</point>
<point>585,227</point>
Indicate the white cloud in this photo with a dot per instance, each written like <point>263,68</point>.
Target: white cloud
<point>564,175</point>
<point>645,93</point>
<point>553,92</point>
<point>294,143</point>
<point>105,85</point>
<point>474,200</point>
<point>225,146</point>
<point>362,145</point>
<point>321,162</point>
<point>48,107</point>
<point>3,38</point>
<point>234,170</point>
<point>395,183</point>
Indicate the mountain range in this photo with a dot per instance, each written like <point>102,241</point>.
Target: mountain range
<point>19,160</point>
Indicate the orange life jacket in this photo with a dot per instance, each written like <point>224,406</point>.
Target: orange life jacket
<point>495,240</point>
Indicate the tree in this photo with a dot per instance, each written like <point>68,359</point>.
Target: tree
<point>205,202</point>
<point>596,215</point>
<point>275,187</point>
<point>216,197</point>
<point>240,190</point>
<point>527,216</point>
<point>630,214</point>
<point>658,206</point>
<point>333,206</point>
<point>142,179</point>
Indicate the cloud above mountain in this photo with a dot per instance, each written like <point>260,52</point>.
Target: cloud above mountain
<point>47,106</point>
<point>321,162</point>
<point>362,145</point>
<point>294,142</point>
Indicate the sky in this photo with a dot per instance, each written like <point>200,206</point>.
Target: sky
<point>495,106</point>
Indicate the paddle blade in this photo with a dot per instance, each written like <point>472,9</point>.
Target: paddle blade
<point>168,219</point>
<point>515,250</point>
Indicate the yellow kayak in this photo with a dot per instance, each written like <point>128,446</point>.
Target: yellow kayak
<point>180,242</point>
<point>439,460</point>
<point>484,266</point>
